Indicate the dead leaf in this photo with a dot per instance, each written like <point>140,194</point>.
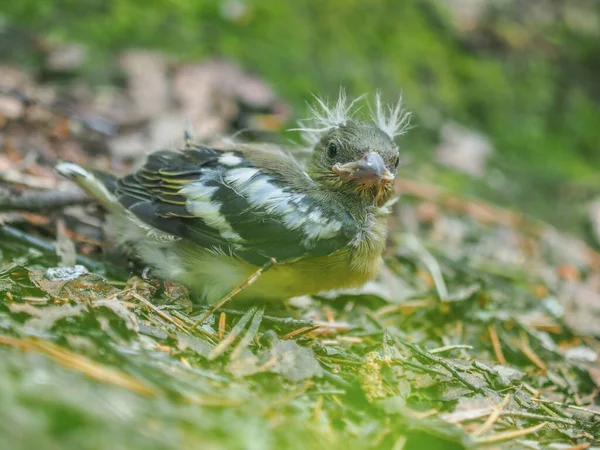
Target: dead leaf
<point>294,362</point>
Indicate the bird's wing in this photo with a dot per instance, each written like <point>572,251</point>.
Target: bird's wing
<point>222,201</point>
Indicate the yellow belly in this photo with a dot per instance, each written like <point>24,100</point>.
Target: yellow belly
<point>212,276</point>
<point>313,275</point>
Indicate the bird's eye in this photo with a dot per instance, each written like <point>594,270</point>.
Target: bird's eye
<point>332,150</point>
<point>396,161</point>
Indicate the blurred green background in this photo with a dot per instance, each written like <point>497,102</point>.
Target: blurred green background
<point>523,73</point>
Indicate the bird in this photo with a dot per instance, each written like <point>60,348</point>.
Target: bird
<point>210,217</point>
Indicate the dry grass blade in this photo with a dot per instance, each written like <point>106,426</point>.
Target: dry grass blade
<point>233,334</point>
<point>236,291</point>
<point>487,425</point>
<point>299,332</point>
<point>564,405</point>
<point>447,348</point>
<point>496,344</point>
<point>533,357</point>
<point>545,418</point>
<point>582,446</point>
<point>404,307</point>
<point>250,334</point>
<point>507,435</point>
<point>162,314</point>
<point>442,362</point>
<point>79,363</point>
<point>222,324</point>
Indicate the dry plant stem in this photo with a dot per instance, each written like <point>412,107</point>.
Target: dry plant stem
<point>290,322</point>
<point>508,435</point>
<point>236,291</point>
<point>158,311</point>
<point>250,334</point>
<point>233,334</point>
<point>480,413</point>
<point>299,332</point>
<point>533,357</point>
<point>581,446</point>
<point>528,415</point>
<point>447,348</point>
<point>430,262</point>
<point>487,425</point>
<point>496,344</point>
<point>222,324</point>
<point>563,405</point>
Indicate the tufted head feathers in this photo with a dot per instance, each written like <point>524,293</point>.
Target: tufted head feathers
<point>357,158</point>
<point>393,120</point>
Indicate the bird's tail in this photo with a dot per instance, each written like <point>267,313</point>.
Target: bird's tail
<point>98,185</point>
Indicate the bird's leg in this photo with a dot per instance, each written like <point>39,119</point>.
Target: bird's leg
<point>251,279</point>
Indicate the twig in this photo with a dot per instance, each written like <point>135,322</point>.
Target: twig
<point>34,201</point>
<point>46,246</point>
<point>236,291</point>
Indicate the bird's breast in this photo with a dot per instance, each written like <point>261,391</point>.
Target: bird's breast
<point>349,267</point>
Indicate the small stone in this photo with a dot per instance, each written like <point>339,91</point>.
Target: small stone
<point>65,273</point>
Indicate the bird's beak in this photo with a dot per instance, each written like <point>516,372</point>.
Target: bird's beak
<point>369,170</point>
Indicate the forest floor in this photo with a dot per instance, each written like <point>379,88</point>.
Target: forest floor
<point>482,329</point>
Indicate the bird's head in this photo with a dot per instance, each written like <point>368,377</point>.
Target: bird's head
<point>356,158</point>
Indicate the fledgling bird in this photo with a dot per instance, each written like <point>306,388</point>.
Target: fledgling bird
<point>210,217</point>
